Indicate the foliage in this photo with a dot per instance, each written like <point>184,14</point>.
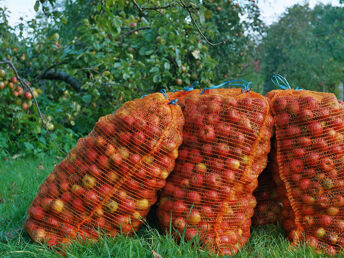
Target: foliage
<point>107,52</point>
<point>305,46</point>
<point>21,179</point>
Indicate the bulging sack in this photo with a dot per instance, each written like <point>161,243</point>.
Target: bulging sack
<point>110,178</point>
<point>226,139</point>
<point>309,156</point>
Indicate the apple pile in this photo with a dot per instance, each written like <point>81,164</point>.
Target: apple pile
<point>226,139</point>
<point>310,166</point>
<point>110,178</point>
<point>268,209</point>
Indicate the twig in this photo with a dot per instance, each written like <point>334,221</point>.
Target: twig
<point>158,7</point>
<point>137,6</point>
<point>137,29</point>
<point>187,8</point>
<point>153,8</point>
<point>26,86</point>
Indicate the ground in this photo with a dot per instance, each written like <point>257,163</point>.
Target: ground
<point>19,182</point>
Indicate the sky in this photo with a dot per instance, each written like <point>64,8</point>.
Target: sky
<point>271,9</point>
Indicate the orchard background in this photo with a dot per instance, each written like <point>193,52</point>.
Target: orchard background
<point>84,59</point>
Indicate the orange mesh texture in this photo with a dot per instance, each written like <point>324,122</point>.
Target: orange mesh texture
<point>309,155</point>
<point>226,139</point>
<point>110,178</point>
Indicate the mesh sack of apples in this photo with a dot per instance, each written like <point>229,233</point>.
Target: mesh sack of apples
<point>226,139</point>
<point>310,167</point>
<point>269,207</point>
<point>110,178</point>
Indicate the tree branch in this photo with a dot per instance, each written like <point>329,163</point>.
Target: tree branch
<point>153,8</point>
<point>187,8</point>
<point>61,76</point>
<point>26,86</point>
<point>137,29</point>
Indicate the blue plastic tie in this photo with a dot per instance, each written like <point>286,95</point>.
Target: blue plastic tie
<point>163,91</point>
<point>144,96</point>
<point>282,82</point>
<point>245,85</point>
<point>195,83</point>
<point>173,102</point>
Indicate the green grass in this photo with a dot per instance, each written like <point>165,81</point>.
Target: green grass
<point>19,182</point>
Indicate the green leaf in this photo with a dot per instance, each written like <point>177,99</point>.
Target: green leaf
<point>157,78</point>
<point>167,66</point>
<point>36,7</point>
<point>87,98</point>
<point>154,70</point>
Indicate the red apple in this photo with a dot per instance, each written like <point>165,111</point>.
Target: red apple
<point>111,206</point>
<point>88,181</point>
<point>78,205</point>
<point>304,141</point>
<point>233,115</point>
<point>194,197</point>
<point>326,164</point>
<point>325,220</point>
<point>320,144</point>
<point>57,205</point>
<point>306,114</point>
<point>319,232</point>
<point>323,201</point>
<point>103,162</point>
<point>45,203</point>
<point>37,213</point>
<point>179,223</point>
<point>280,103</point>
<point>179,208</point>
<point>194,217</point>
<point>138,138</point>
<point>332,211</point>
<point>315,128</point>
<point>312,158</point>
<point>207,149</point>
<point>77,190</point>
<point>296,165</point>
<point>282,119</point>
<point>229,176</point>
<point>67,197</point>
<point>91,197</point>
<point>178,193</point>
<point>207,133</point>
<point>223,129</point>
<point>196,180</point>
<point>232,164</point>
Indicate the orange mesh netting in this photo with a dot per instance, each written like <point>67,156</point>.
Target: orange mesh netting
<point>110,178</point>
<point>269,207</point>
<point>226,140</point>
<point>309,155</point>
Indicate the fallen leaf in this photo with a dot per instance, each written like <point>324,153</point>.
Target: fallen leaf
<point>156,255</point>
<point>40,167</point>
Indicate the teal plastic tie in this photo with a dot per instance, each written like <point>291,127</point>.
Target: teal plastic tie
<point>173,102</point>
<point>163,91</point>
<point>282,82</point>
<point>245,85</point>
